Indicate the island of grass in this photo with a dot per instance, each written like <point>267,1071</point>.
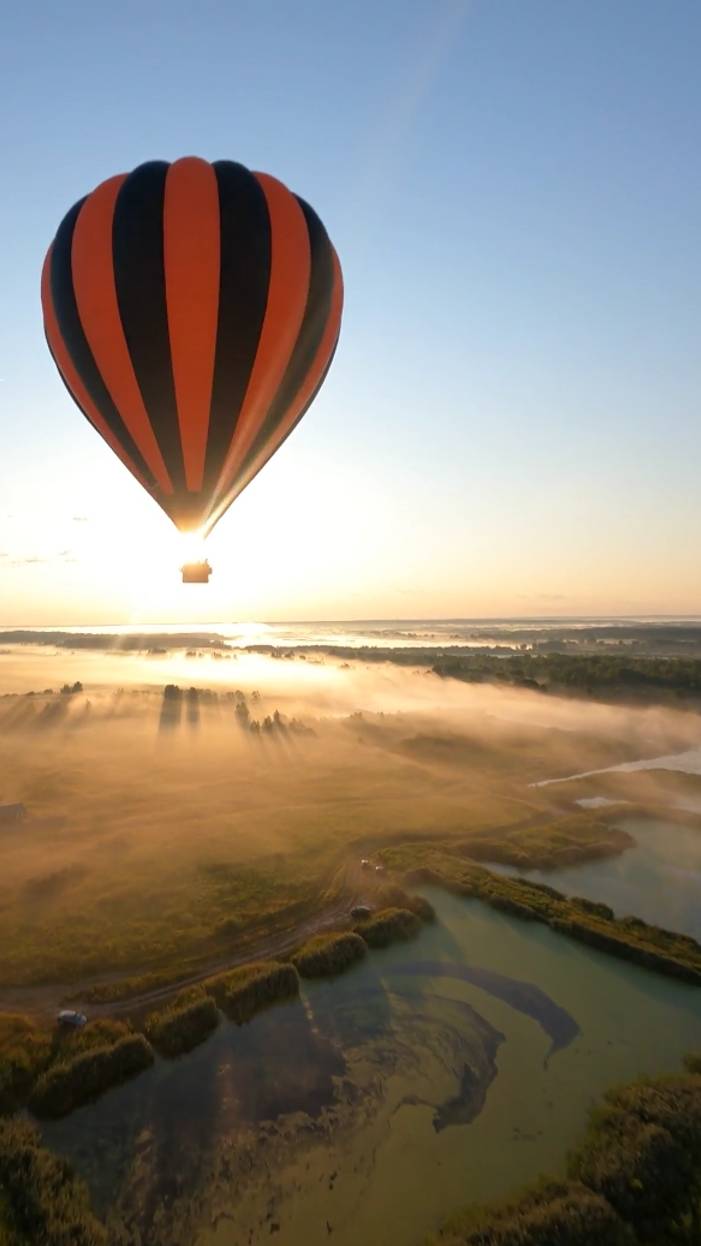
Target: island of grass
<point>389,926</point>
<point>29,1051</point>
<point>636,1177</point>
<point>242,992</point>
<point>392,896</point>
<point>629,938</point>
<point>329,954</point>
<point>70,1083</point>
<point>184,1024</point>
<point>188,1019</point>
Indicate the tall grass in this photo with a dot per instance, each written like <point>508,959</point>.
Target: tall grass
<point>242,992</point>
<point>70,1084</point>
<point>42,1203</point>
<point>329,954</point>
<point>176,1030</point>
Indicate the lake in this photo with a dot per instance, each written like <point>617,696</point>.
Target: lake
<point>451,1069</point>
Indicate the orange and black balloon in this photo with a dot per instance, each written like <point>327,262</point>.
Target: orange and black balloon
<point>192,310</point>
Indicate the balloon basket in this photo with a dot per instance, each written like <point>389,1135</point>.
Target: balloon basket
<point>196,572</point>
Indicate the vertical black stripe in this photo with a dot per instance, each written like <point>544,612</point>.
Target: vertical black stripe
<point>301,415</point>
<point>76,343</point>
<point>223,506</point>
<point>137,250</point>
<point>243,295</point>
<point>316,314</point>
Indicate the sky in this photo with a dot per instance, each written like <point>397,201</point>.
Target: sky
<point>511,423</point>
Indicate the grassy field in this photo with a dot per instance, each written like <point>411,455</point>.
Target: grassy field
<point>161,838</point>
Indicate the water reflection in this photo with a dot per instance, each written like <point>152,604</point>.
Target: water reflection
<point>559,1026</point>
<point>382,1099</point>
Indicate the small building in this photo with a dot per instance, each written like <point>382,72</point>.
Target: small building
<point>11,814</point>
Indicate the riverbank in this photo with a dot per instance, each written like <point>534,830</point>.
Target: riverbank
<point>629,938</point>
<point>658,878</point>
<point>326,1107</point>
<point>55,1072</point>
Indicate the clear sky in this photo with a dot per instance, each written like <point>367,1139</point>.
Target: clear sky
<point>512,422</point>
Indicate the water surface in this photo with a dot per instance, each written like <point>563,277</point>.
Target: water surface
<point>451,1069</point>
<point>659,879</point>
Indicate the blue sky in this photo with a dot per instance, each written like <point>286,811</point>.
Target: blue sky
<point>511,424</point>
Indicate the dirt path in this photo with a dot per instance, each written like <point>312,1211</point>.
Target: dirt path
<point>356,888</point>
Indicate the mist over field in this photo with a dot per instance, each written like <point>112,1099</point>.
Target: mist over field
<point>172,800</point>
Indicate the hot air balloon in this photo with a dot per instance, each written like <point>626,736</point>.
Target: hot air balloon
<point>192,310</point>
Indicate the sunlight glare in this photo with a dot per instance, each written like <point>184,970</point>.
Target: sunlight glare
<point>192,546</point>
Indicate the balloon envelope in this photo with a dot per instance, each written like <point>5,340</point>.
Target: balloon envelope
<point>192,310</point>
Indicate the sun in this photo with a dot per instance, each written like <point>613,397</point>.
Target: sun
<point>192,546</point>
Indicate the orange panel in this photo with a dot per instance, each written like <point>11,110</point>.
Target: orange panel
<point>71,377</point>
<point>191,252</point>
<point>303,395</point>
<point>96,298</point>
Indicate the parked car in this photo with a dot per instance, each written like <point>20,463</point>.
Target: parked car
<point>69,1017</point>
<point>379,869</point>
<point>364,863</point>
<point>360,912</point>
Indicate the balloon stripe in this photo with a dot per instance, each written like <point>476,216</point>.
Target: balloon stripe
<point>191,261</point>
<point>303,399</point>
<point>243,294</point>
<point>248,474</point>
<point>72,381</point>
<point>284,312</point>
<point>70,348</point>
<point>311,383</point>
<point>137,249</point>
<point>96,299</point>
<point>314,328</point>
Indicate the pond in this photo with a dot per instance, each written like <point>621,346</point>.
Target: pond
<point>448,1070</point>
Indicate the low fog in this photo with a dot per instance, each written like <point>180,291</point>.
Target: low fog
<point>168,796</point>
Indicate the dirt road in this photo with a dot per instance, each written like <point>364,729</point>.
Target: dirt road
<point>356,887</point>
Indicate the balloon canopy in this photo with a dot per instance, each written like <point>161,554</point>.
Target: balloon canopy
<point>192,310</point>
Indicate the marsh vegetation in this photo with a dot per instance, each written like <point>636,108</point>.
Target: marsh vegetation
<point>183,1025</point>
<point>629,938</point>
<point>635,1178</point>
<point>41,1200</point>
<point>73,1081</point>
<point>328,954</point>
<point>388,926</point>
